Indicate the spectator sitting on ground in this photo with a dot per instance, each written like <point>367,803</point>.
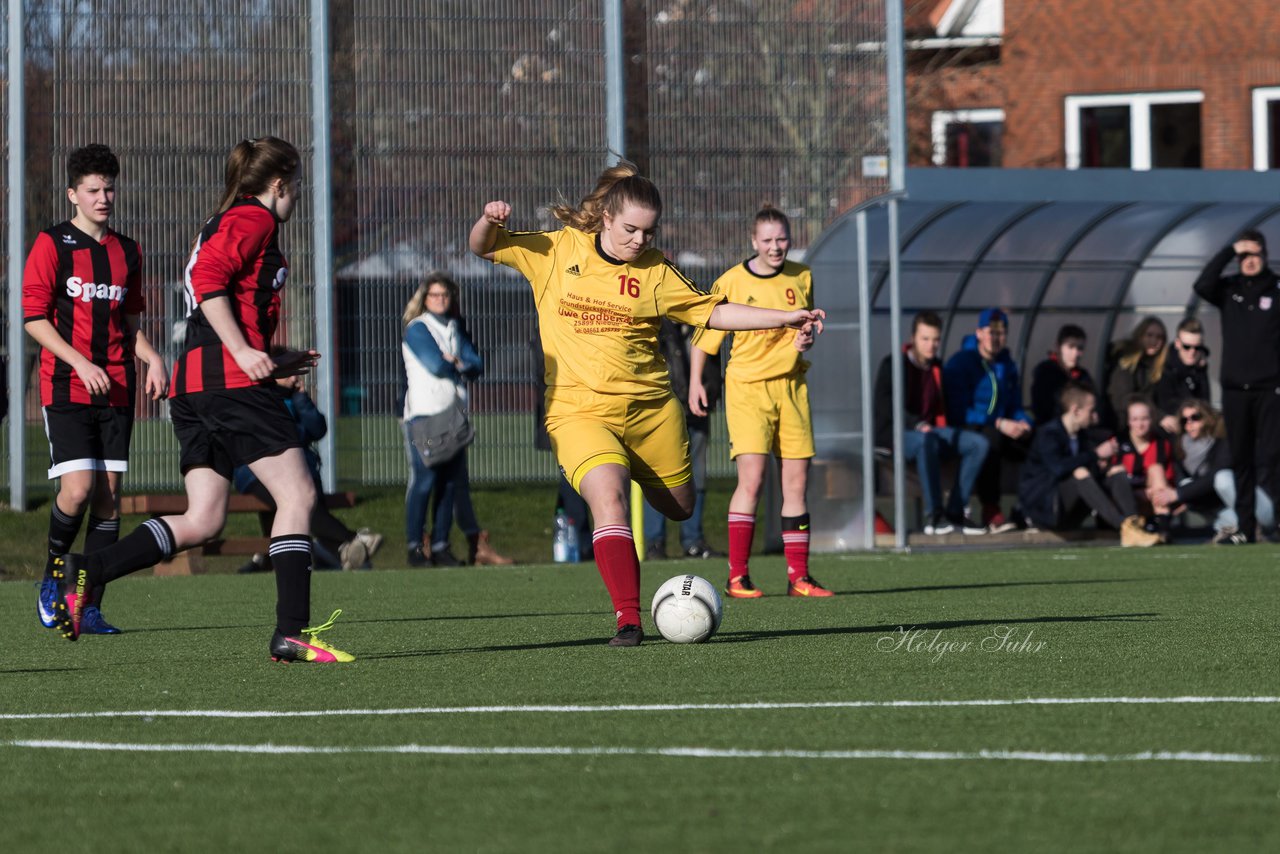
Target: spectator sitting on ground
<point>984,394</point>
<point>1066,475</point>
<point>1147,456</point>
<point>1206,483</point>
<point>1064,365</point>
<point>1185,376</point>
<point>926,436</point>
<point>1135,367</point>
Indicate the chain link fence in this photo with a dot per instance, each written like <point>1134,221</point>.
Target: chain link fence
<point>435,109</point>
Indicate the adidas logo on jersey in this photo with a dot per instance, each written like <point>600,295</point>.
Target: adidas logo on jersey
<point>78,288</point>
<point>751,300</point>
<point>573,271</point>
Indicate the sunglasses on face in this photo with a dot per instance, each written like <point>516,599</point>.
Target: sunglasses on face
<point>1191,416</point>
<point>1198,348</point>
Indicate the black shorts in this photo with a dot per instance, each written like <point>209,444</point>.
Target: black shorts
<point>83,437</point>
<point>231,427</point>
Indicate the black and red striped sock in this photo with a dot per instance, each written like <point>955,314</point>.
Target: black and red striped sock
<point>795,545</point>
<point>615,554</point>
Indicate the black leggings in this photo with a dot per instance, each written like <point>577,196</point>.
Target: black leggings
<point>1075,495</point>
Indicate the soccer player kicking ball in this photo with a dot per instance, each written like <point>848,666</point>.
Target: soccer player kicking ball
<point>223,408</point>
<point>81,299</point>
<point>601,293</point>
<point>766,401</point>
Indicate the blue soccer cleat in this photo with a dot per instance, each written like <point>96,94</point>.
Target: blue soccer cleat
<point>47,603</point>
<point>93,623</point>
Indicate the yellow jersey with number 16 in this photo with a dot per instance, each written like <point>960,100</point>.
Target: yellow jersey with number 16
<point>599,316</point>
<point>762,354</point>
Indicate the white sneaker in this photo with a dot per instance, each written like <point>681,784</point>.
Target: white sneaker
<point>372,541</point>
<point>938,525</point>
<point>352,554</point>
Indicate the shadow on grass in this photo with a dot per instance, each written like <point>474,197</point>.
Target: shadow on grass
<point>17,670</point>
<point>741,637</point>
<point>373,620</point>
<point>992,584</point>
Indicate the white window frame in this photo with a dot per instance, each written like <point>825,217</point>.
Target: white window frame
<point>1139,104</point>
<point>942,118</point>
<point>1262,96</point>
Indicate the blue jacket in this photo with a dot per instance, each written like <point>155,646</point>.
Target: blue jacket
<point>977,391</point>
<point>1049,462</point>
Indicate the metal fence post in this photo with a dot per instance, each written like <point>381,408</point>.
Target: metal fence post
<point>614,83</point>
<point>322,199</point>
<point>17,251</point>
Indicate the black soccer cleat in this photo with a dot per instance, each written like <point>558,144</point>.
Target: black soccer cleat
<point>628,635</point>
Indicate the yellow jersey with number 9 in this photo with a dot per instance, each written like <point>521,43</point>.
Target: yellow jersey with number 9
<point>599,316</point>
<point>761,354</point>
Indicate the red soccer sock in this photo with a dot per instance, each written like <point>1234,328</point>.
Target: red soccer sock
<point>795,545</point>
<point>742,529</point>
<point>615,554</point>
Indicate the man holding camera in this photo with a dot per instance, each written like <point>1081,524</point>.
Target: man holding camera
<point>1249,303</point>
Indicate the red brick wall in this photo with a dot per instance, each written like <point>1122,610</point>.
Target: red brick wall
<point>1055,48</point>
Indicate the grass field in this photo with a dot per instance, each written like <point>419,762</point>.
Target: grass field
<point>483,713</point>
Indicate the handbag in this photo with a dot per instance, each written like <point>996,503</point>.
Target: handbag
<point>440,437</point>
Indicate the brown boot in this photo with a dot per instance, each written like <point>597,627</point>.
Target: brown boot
<point>480,553</point>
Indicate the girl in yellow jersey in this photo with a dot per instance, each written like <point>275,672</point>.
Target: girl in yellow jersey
<point>766,402</point>
<point>601,293</point>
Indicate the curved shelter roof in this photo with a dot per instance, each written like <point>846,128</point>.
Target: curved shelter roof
<point>1098,248</point>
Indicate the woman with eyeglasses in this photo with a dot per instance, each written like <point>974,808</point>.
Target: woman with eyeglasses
<point>439,359</point>
<point>1205,481</point>
<point>1186,373</point>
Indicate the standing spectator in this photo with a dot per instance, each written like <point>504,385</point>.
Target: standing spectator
<point>352,549</point>
<point>767,403</point>
<point>81,301</point>
<point>438,359</point>
<point>1147,457</point>
<point>600,290</point>
<point>1249,302</point>
<point>223,411</point>
<point>1185,376</point>
<point>926,437</point>
<point>1135,367</point>
<point>1064,365</point>
<point>674,340</point>
<point>984,394</point>
<point>1066,475</point>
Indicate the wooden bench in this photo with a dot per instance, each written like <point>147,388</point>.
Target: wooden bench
<point>192,560</point>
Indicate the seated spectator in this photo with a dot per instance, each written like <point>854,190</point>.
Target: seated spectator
<point>926,436</point>
<point>1147,457</point>
<point>336,544</point>
<point>1206,483</point>
<point>1066,476</point>
<point>1064,365</point>
<point>984,394</point>
<point>1185,376</point>
<point>1135,366</point>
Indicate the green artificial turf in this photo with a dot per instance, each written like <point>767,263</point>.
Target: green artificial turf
<point>1090,622</point>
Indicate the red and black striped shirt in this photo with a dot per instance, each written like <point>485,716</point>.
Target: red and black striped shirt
<point>237,256</point>
<point>85,287</point>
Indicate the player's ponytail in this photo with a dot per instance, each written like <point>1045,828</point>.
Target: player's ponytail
<point>618,186</point>
<point>254,163</point>
<point>768,213</point>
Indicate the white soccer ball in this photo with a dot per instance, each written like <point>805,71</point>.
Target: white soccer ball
<point>686,609</point>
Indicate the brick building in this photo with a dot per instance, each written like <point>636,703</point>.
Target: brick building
<point>1136,84</point>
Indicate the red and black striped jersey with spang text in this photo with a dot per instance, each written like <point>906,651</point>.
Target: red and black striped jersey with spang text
<point>237,256</point>
<point>85,287</point>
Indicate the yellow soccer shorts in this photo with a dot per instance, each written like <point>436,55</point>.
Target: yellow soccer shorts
<point>769,417</point>
<point>588,429</point>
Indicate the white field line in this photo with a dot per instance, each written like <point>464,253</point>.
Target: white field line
<point>656,707</point>
<point>674,752</point>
